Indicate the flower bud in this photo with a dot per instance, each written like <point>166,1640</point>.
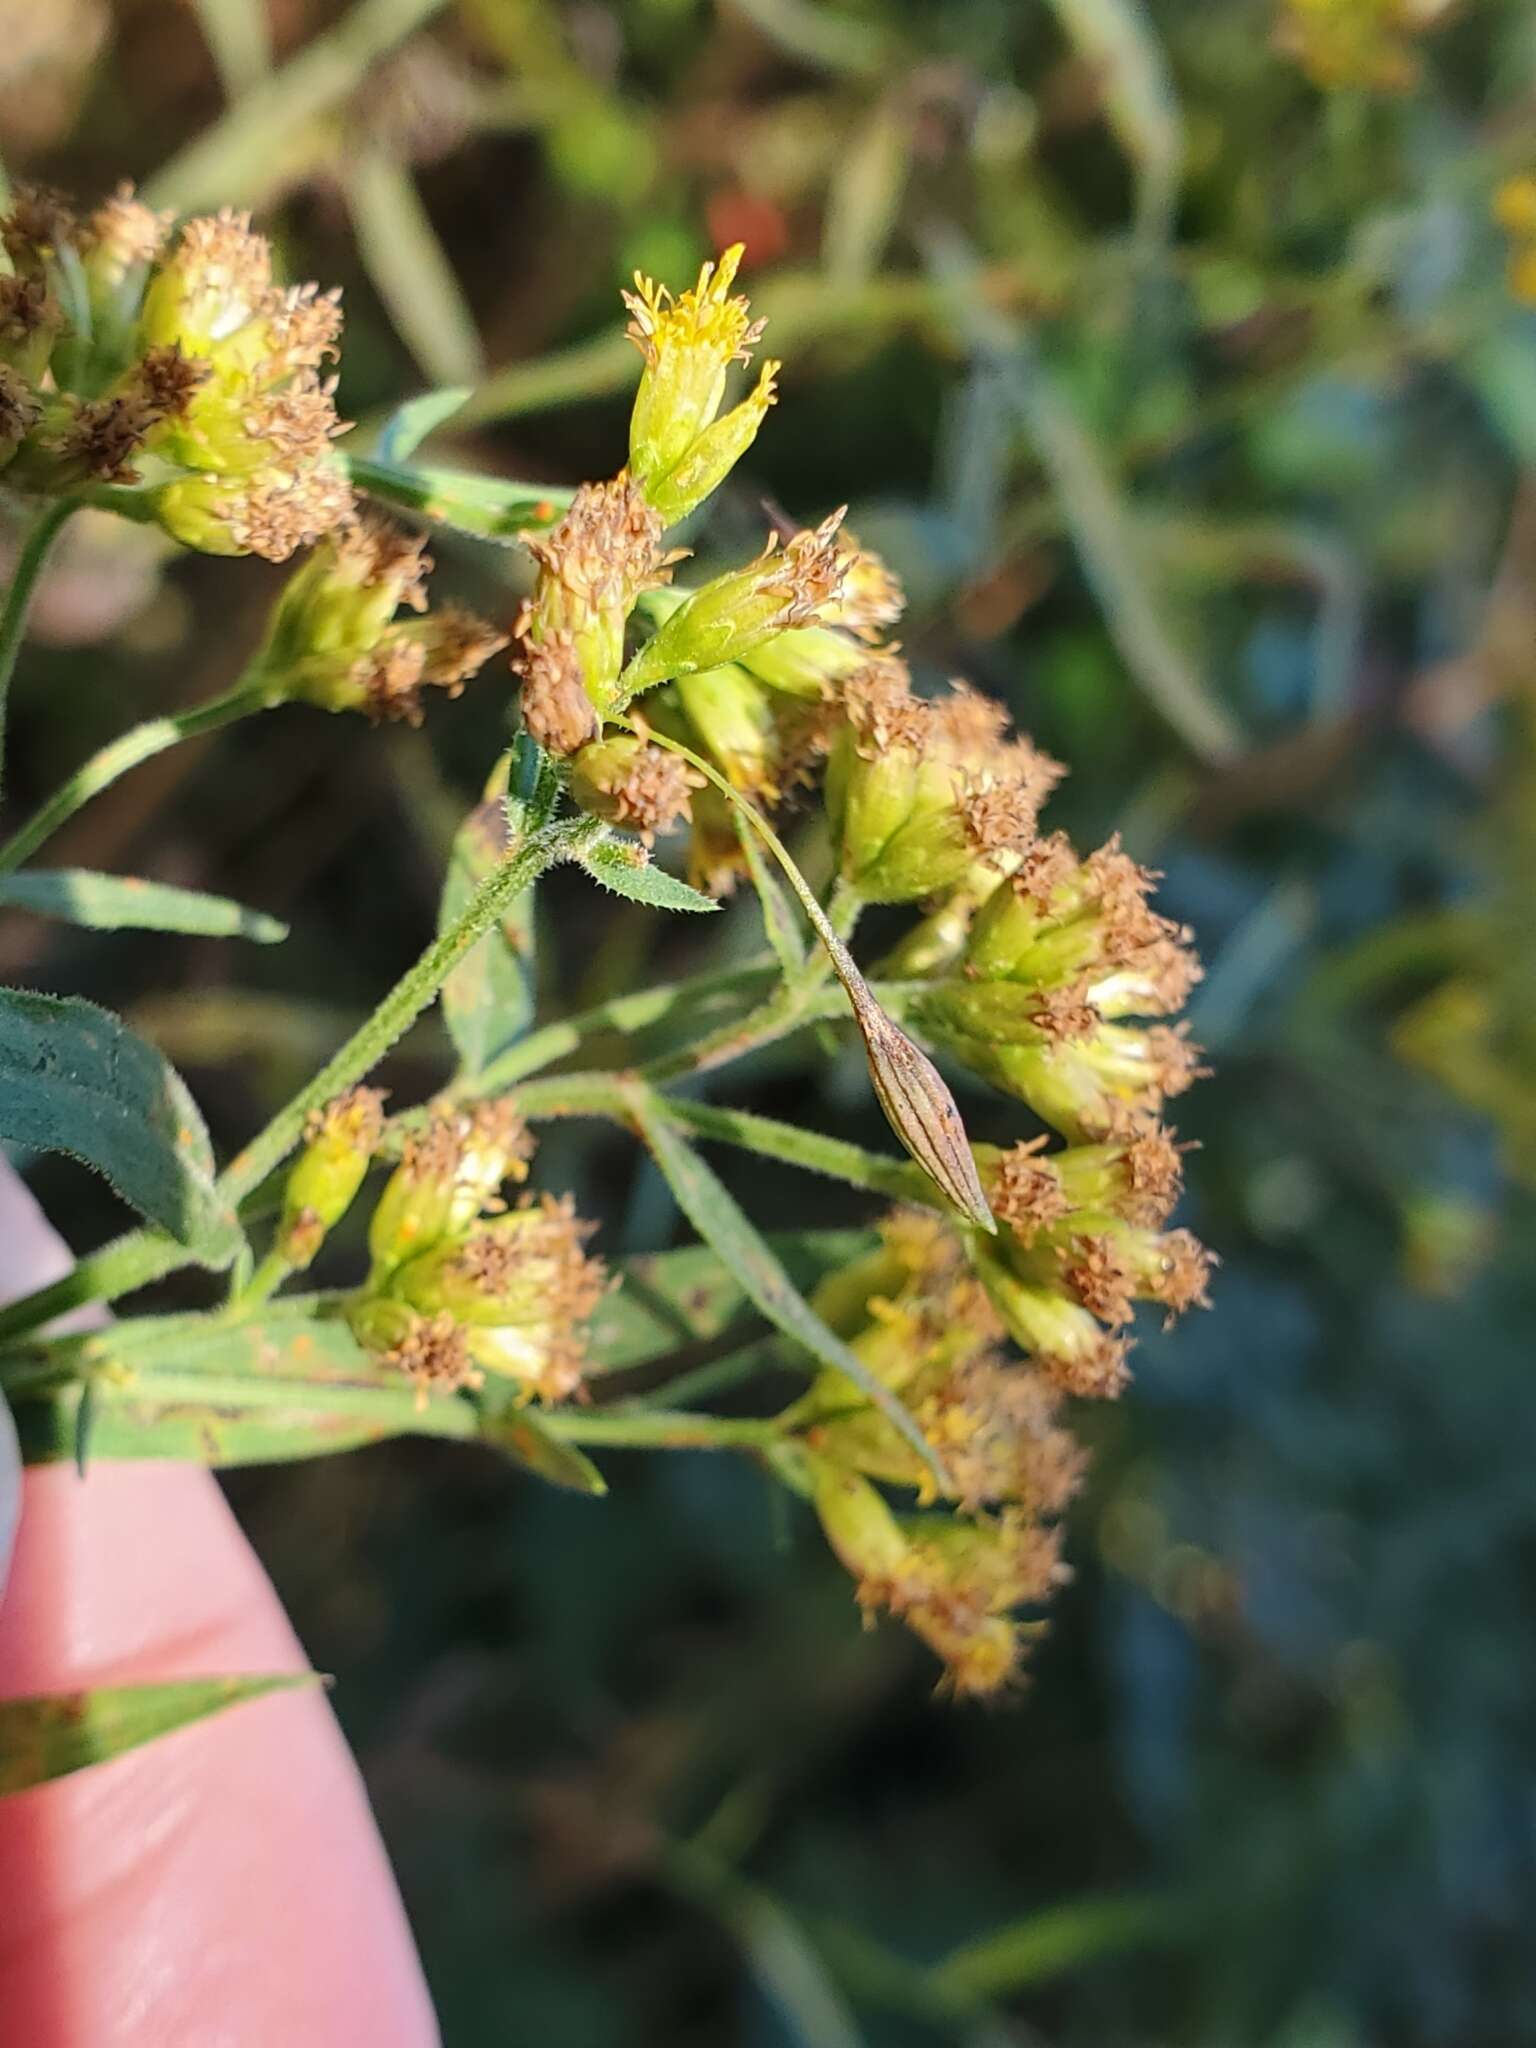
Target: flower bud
<point>679,450</point>
<point>341,1140</point>
<point>432,1351</point>
<point>631,782</point>
<point>736,613</point>
<point>952,1581</point>
<point>519,1286</point>
<point>570,632</point>
<point>333,640</point>
<point>918,792</point>
<point>452,1169</point>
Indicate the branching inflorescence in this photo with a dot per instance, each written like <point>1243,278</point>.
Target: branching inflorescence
<point>173,379</point>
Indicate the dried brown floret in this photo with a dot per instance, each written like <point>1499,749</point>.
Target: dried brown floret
<point>607,548</point>
<point>1095,1371</point>
<point>1026,1192</point>
<point>167,380</point>
<point>1099,1276</point>
<point>1154,1174</point>
<point>27,308</point>
<point>807,574</point>
<point>20,407</point>
<point>357,1114</point>
<point>434,1355</point>
<point>40,220</point>
<point>557,711</point>
<point>125,230</point>
<point>372,549</point>
<point>1182,1278</point>
<point>458,644</point>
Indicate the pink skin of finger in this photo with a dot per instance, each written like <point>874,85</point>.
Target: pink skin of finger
<point>224,1886</point>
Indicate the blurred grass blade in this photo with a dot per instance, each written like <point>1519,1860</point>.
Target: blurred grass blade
<point>239,42</point>
<point>1100,525</point>
<point>74,1079</point>
<point>238,159</point>
<point>819,34</point>
<point>409,270</point>
<point>1060,1938</point>
<point>712,1210</point>
<point>59,1733</point>
<point>483,506</point>
<point>111,903</point>
<point>1117,42</point>
<point>864,196</point>
<point>409,424</point>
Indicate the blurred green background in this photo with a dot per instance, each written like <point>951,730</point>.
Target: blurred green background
<point>1176,356</point>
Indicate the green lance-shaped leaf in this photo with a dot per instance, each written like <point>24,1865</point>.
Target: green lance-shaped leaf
<point>74,1079</point>
<point>110,903</point>
<point>520,1432</point>
<point>56,1734</point>
<point>488,998</point>
<point>623,866</point>
<point>914,1095</point>
<point>409,424</point>
<point>711,1209</point>
<point>669,1301</point>
<point>483,506</point>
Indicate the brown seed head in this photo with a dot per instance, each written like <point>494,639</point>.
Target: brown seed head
<point>1027,1194</point>
<point>434,1354</point>
<point>40,220</point>
<point>125,230</point>
<point>20,407</point>
<point>607,548</point>
<point>1096,1272</point>
<point>372,549</point>
<point>557,711</point>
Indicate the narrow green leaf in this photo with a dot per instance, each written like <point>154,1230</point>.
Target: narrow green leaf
<point>409,424</point>
<point>914,1095</point>
<point>623,866</point>
<point>1060,1938</point>
<point>522,1435</point>
<point>712,1210</point>
<point>484,506</point>
<point>56,1734</point>
<point>667,1301</point>
<point>109,903</point>
<point>488,998</point>
<point>74,1079</point>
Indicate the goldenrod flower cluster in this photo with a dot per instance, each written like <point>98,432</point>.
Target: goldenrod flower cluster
<point>170,377</point>
<point>460,1284</point>
<point>173,365</point>
<point>1046,972</point>
<point>1367,45</point>
<point>915,1315</point>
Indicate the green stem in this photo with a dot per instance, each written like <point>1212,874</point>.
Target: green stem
<point>144,1255</point>
<point>659,1429</point>
<point>115,760</point>
<point>41,535</point>
<point>603,1095</point>
<point>625,1014</point>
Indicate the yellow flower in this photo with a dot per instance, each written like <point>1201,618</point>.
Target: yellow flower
<point>679,449</point>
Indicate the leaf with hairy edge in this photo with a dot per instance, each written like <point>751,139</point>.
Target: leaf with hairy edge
<point>483,506</point>
<point>56,1734</point>
<point>488,998</point>
<point>74,1079</point>
<point>712,1210</point>
<point>112,903</point>
<point>667,1301</point>
<point>623,866</point>
<point>409,424</point>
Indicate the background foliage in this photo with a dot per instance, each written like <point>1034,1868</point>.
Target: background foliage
<point>1182,371</point>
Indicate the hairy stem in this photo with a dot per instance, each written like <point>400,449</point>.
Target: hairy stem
<point>144,1255</point>
<point>39,539</point>
<point>114,760</point>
